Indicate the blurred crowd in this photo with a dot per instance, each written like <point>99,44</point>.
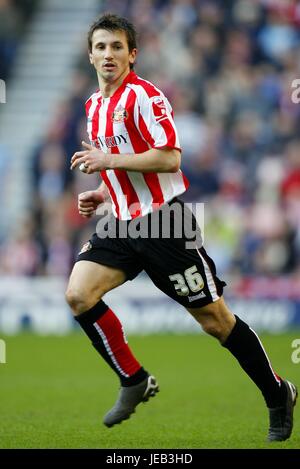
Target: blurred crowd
<point>227,69</point>
<point>14,16</point>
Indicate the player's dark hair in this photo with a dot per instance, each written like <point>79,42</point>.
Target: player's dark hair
<point>112,22</point>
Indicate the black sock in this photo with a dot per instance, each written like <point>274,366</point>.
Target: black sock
<point>244,344</point>
<point>106,333</point>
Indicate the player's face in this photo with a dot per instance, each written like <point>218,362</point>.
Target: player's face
<point>110,55</point>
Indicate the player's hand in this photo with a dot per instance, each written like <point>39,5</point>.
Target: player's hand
<point>92,159</point>
<point>88,202</point>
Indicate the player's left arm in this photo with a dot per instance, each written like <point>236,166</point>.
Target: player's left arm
<point>154,160</point>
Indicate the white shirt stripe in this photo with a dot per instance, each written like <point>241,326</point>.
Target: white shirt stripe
<point>171,184</point>
<point>93,106</point>
<point>122,201</point>
<point>102,124</point>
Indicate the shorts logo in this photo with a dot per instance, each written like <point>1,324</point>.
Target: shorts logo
<point>119,115</point>
<point>196,297</point>
<point>86,247</point>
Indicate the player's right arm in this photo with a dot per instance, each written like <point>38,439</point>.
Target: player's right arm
<point>88,201</point>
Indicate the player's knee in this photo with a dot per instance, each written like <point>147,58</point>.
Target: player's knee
<point>213,327</point>
<point>74,300</point>
<point>216,320</point>
<point>219,326</point>
<point>78,301</point>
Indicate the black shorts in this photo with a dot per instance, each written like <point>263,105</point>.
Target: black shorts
<point>170,254</point>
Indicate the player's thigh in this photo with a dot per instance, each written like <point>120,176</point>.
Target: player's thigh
<point>89,281</point>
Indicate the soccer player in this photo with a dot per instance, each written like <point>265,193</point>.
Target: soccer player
<point>134,145</point>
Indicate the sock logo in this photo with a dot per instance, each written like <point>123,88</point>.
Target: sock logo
<point>295,357</point>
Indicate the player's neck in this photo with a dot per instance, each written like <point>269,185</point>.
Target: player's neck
<point>108,88</point>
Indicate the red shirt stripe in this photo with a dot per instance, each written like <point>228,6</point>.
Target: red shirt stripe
<point>112,192</point>
<point>95,121</point>
<point>132,199</point>
<point>139,146</point>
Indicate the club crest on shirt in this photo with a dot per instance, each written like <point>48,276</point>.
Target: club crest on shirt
<point>86,247</point>
<point>119,114</point>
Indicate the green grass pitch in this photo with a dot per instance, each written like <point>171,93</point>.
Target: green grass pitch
<point>54,392</point>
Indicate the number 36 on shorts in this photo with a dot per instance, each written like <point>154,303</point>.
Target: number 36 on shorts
<point>190,281</point>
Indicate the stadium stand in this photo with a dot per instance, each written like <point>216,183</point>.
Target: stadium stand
<point>230,86</point>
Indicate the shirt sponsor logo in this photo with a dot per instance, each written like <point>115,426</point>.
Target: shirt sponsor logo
<point>119,115</point>
<point>196,297</point>
<point>109,142</point>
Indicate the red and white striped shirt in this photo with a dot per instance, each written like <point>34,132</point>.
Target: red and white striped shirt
<point>134,119</point>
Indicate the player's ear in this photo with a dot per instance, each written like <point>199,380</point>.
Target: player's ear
<point>132,56</point>
<point>91,58</point>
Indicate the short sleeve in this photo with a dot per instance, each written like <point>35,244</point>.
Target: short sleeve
<point>156,121</point>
